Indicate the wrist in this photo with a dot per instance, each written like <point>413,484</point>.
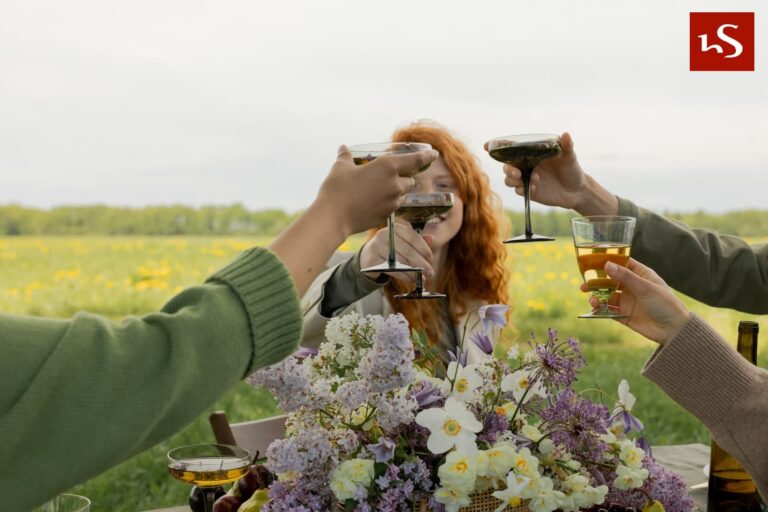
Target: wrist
<point>596,200</point>
<point>676,326</point>
<point>333,224</point>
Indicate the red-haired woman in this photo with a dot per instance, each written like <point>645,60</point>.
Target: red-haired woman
<point>460,251</point>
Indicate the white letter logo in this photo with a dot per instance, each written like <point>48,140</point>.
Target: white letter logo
<point>737,47</point>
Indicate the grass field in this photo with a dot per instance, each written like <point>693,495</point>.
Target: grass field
<point>119,276</point>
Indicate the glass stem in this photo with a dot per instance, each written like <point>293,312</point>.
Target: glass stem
<point>392,260</point>
<point>209,494</point>
<point>526,175</point>
<point>419,274</point>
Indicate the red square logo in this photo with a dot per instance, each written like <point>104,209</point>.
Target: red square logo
<point>722,41</point>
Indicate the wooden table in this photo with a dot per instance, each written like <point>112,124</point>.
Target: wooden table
<point>687,460</point>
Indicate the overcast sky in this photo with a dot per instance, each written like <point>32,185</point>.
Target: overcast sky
<point>177,101</point>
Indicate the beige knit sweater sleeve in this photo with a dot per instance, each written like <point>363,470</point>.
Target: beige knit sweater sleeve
<point>706,376</point>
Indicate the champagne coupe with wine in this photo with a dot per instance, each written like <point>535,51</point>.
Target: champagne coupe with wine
<point>419,209</point>
<point>598,240</point>
<point>208,466</point>
<point>365,153</point>
<point>525,152</point>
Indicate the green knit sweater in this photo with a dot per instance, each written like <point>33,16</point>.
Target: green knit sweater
<point>81,395</point>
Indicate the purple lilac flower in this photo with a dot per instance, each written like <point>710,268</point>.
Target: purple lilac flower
<point>388,364</point>
<point>662,484</point>
<point>353,394</point>
<point>483,342</point>
<point>289,381</point>
<point>493,314</point>
<point>383,450</point>
<point>308,453</point>
<point>293,496</point>
<point>577,424</point>
<point>394,409</point>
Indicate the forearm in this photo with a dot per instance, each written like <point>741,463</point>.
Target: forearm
<point>594,199</point>
<point>308,243</point>
<point>708,378</point>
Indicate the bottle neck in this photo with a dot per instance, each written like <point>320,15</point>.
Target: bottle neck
<point>747,343</point>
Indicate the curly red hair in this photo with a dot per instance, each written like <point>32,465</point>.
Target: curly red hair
<point>475,268</point>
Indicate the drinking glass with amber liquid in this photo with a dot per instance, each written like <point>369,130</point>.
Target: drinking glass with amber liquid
<point>525,152</point>
<point>419,209</point>
<point>208,466</point>
<point>598,240</point>
<point>365,153</point>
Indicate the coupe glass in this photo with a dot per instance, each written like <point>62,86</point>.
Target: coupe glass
<point>208,466</point>
<point>364,153</point>
<point>66,503</point>
<point>598,240</point>
<point>525,152</point>
<point>418,209</point>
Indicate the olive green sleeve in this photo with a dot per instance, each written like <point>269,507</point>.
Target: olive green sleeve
<point>719,270</point>
<point>78,396</point>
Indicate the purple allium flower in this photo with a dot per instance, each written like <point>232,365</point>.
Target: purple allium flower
<point>388,364</point>
<point>556,362</point>
<point>383,450</point>
<point>493,314</point>
<point>662,484</point>
<point>483,342</point>
<point>577,424</point>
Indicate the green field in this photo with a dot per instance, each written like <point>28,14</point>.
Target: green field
<point>115,276</point>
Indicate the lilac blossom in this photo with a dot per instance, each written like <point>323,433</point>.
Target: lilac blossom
<point>395,409</point>
<point>493,314</point>
<point>662,484</point>
<point>308,453</point>
<point>293,496</point>
<point>290,382</point>
<point>388,364</point>
<point>353,394</point>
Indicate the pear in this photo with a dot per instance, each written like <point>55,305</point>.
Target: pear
<point>257,500</point>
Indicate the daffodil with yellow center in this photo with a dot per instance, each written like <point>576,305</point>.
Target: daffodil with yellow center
<point>458,472</point>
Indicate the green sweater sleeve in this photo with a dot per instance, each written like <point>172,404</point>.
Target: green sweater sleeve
<point>719,270</point>
<point>78,396</point>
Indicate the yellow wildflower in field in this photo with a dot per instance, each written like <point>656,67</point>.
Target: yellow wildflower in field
<point>536,305</point>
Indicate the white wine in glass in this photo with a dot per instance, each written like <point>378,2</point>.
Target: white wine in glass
<point>366,153</point>
<point>208,466</point>
<point>418,209</point>
<point>598,240</point>
<point>525,152</point>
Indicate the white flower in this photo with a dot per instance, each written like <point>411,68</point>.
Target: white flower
<point>626,399</point>
<point>525,464</point>
<point>627,478</point>
<point>458,472</point>
<point>631,455</point>
<point>512,495</point>
<point>465,380</point>
<point>453,425</point>
<point>513,352</point>
<point>531,432</point>
<point>506,409</point>
<point>500,458</point>
<point>452,499</point>
<point>597,494</point>
<point>609,437</point>
<point>519,383</point>
<point>349,475</point>
<point>546,499</point>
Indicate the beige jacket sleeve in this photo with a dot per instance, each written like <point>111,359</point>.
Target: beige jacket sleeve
<point>700,371</point>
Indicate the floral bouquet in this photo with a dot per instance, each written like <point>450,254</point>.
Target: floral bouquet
<point>377,422</point>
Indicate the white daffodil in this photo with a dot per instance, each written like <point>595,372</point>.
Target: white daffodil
<point>458,472</point>
<point>512,495</point>
<point>451,426</point>
<point>628,478</point>
<point>519,383</point>
<point>546,499</point>
<point>500,460</point>
<point>531,432</point>
<point>465,380</point>
<point>597,494</point>
<point>349,475</point>
<point>631,455</point>
<point>452,498</point>
<point>525,464</point>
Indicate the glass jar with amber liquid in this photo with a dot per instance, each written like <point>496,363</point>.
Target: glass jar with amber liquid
<point>731,489</point>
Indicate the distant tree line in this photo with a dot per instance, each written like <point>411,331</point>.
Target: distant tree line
<point>237,220</point>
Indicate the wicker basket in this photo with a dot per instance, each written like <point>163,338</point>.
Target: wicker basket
<point>483,501</point>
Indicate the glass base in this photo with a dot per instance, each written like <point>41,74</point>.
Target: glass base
<point>395,267</point>
<point>602,314</point>
<point>420,294</point>
<point>524,238</point>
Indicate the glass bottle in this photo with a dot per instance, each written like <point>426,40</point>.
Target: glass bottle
<point>730,486</point>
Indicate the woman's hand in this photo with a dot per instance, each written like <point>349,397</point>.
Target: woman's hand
<point>651,306</point>
<point>411,248</point>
